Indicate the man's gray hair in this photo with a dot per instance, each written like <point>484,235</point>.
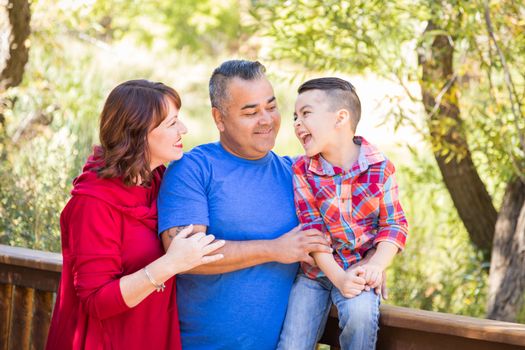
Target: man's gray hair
<point>246,70</point>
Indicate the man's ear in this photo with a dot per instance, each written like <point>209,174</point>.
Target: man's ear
<point>218,117</point>
<point>343,118</point>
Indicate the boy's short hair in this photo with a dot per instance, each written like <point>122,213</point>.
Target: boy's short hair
<point>340,92</point>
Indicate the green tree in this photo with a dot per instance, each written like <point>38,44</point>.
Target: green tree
<point>202,27</point>
<point>467,62</point>
<point>48,118</point>
<point>14,52</point>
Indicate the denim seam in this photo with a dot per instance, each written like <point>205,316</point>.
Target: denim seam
<point>373,335</point>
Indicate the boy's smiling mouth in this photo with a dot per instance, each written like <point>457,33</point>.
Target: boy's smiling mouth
<point>305,137</point>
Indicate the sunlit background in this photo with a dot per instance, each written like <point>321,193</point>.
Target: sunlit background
<point>79,50</point>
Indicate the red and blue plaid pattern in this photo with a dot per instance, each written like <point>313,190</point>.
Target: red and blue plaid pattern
<point>356,209</point>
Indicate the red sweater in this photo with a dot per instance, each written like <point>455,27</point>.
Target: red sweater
<point>109,231</point>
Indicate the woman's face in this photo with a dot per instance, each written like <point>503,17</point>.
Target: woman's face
<point>165,141</point>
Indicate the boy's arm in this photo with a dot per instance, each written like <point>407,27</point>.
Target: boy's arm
<point>349,283</point>
<point>377,264</point>
<point>393,226</point>
<point>384,254</point>
<point>330,267</point>
<point>304,200</point>
<point>391,234</point>
<point>309,216</point>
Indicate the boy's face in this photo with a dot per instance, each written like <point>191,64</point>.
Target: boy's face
<point>314,122</point>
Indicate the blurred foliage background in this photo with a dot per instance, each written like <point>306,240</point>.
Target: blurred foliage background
<point>79,50</point>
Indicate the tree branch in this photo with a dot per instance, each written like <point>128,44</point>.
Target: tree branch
<point>442,93</point>
<point>518,115</point>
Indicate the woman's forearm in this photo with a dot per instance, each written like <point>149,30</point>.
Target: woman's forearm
<point>137,286</point>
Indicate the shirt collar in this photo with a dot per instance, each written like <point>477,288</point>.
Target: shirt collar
<point>368,155</point>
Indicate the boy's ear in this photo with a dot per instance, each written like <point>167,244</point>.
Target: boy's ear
<point>218,117</point>
<point>343,117</point>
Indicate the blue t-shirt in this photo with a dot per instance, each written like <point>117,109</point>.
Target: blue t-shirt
<point>238,199</point>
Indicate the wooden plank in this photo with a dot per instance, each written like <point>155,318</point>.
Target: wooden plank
<point>6,295</point>
<point>30,258</point>
<point>461,326</point>
<point>23,270</point>
<point>43,306</point>
<point>19,337</point>
<point>29,277</point>
<point>393,338</point>
<point>428,327</point>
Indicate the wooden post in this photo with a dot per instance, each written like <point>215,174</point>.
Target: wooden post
<point>6,295</point>
<point>41,319</point>
<point>19,337</point>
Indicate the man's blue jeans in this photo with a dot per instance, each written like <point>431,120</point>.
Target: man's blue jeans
<point>308,309</point>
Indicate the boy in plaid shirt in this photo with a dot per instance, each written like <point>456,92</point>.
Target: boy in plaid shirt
<point>345,188</point>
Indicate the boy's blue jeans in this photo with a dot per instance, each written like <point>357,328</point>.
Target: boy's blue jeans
<point>308,309</point>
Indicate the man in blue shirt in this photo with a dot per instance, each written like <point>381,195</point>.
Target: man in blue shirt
<point>240,191</point>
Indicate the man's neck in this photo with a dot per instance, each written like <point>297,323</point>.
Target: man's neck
<point>239,152</point>
<point>343,154</point>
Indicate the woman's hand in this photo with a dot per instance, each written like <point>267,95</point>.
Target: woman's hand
<point>186,252</point>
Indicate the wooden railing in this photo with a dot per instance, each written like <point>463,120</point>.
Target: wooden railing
<point>28,282</point>
<point>29,278</point>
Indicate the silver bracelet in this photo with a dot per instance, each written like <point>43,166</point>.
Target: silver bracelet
<point>158,287</point>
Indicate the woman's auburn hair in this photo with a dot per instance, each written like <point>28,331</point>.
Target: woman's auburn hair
<point>130,112</point>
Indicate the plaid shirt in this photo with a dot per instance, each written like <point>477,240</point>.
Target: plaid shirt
<point>357,209</point>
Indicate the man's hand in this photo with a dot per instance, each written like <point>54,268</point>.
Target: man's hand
<point>352,282</point>
<point>296,245</point>
<point>383,290</point>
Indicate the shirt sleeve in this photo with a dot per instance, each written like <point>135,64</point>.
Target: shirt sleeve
<point>182,197</point>
<point>393,226</point>
<point>96,257</point>
<point>304,199</point>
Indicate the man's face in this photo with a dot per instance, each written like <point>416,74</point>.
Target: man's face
<point>251,118</point>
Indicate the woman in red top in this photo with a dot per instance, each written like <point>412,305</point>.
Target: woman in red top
<point>117,290</point>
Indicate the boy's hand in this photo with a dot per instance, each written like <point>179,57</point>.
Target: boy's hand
<point>382,289</point>
<point>373,274</point>
<point>352,283</point>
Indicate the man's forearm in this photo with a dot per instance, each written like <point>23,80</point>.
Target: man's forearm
<point>237,254</point>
